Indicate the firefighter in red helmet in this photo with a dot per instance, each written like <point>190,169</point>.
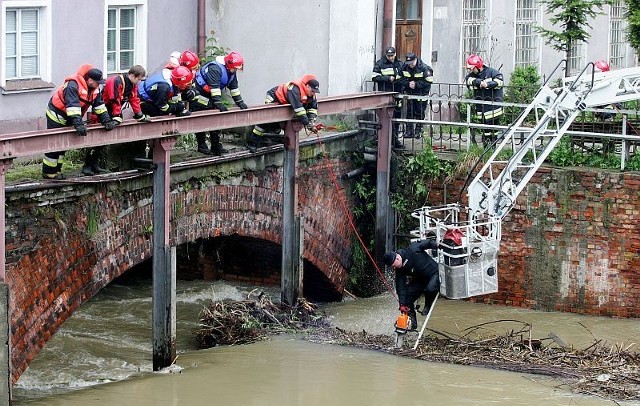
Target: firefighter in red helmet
<point>210,80</point>
<point>159,96</point>
<point>486,84</point>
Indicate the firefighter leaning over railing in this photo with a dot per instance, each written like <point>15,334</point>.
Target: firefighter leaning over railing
<point>486,84</point>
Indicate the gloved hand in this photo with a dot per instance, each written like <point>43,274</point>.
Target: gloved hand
<point>404,308</point>
<point>312,128</point>
<point>110,125</point>
<point>183,113</point>
<point>142,118</point>
<point>81,129</point>
<point>189,95</point>
<point>242,105</point>
<point>220,106</point>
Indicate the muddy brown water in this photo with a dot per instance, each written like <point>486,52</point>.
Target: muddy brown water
<point>102,356</point>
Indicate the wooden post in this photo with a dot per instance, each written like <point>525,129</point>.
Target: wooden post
<point>5,311</point>
<point>164,261</point>
<point>383,230</point>
<point>289,278</point>
<point>300,253</point>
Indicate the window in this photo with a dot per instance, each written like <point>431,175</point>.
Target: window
<point>26,45</point>
<point>125,39</point>
<point>408,10</point>
<point>578,60</point>
<point>474,17</point>
<point>526,38</point>
<point>617,44</point>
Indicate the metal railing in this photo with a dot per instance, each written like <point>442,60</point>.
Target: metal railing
<point>449,123</point>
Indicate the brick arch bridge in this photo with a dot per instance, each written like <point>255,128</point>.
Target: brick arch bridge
<point>66,241</point>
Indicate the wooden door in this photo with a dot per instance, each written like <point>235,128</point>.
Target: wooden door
<point>408,27</point>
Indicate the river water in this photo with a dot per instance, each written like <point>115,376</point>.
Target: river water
<point>102,356</point>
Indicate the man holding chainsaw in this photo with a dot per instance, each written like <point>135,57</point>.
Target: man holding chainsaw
<point>416,273</point>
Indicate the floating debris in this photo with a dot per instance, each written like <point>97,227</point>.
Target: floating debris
<point>611,373</point>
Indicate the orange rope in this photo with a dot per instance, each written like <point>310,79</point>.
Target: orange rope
<point>343,203</point>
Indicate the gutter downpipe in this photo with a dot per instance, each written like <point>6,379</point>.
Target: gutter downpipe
<point>387,25</point>
<point>202,21</point>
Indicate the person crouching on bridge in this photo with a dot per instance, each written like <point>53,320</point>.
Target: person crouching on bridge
<point>160,96</point>
<point>301,95</point>
<point>119,90</point>
<point>210,80</point>
<point>68,105</point>
<point>416,272</point>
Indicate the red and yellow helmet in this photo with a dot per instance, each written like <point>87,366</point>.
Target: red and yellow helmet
<point>601,66</point>
<point>189,59</point>
<point>181,77</point>
<point>234,61</point>
<point>474,61</point>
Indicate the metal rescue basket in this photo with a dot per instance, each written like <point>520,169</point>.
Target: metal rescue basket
<point>469,247</point>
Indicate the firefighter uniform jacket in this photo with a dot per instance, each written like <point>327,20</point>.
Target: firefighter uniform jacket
<point>71,101</point>
<point>305,107</point>
<point>420,267</point>
<point>493,92</point>
<point>117,91</point>
<point>383,71</point>
<point>421,74</point>
<point>160,92</point>
<point>211,78</point>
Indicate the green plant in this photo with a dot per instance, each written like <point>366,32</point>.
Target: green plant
<point>523,86</point>
<point>92,220</point>
<point>573,16</point>
<point>212,49</point>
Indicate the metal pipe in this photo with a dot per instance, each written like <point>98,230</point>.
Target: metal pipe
<point>202,22</point>
<point>388,22</point>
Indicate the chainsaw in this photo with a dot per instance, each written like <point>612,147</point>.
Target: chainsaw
<point>402,327</point>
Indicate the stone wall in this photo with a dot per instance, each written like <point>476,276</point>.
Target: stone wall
<point>571,243</point>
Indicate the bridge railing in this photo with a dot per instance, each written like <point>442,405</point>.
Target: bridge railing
<point>450,125</point>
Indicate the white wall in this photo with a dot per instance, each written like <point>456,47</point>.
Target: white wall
<point>282,40</point>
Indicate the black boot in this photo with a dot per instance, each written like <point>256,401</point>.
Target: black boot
<point>86,170</point>
<point>89,161</point>
<point>253,142</point>
<point>414,319</point>
<point>202,143</point>
<point>95,167</point>
<point>216,146</point>
<point>429,297</point>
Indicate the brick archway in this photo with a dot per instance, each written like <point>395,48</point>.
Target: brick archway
<point>69,242</point>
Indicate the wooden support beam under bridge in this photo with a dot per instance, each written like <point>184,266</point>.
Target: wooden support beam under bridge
<point>164,130</point>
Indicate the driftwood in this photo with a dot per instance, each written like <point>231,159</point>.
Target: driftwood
<point>254,319</point>
<point>610,372</point>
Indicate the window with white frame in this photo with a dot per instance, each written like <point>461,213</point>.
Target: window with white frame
<point>617,27</point>
<point>125,39</point>
<point>474,17</point>
<point>527,40</point>
<point>26,44</point>
<point>577,61</point>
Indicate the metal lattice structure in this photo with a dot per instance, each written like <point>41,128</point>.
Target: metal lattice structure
<point>470,268</point>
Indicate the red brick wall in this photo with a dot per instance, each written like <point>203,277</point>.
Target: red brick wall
<point>571,243</point>
<point>66,243</point>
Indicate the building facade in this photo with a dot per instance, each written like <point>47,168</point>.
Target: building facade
<point>44,41</point>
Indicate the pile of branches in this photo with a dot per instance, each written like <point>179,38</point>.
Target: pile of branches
<point>254,319</point>
<point>610,372</point>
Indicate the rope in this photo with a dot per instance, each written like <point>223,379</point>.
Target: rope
<point>342,200</point>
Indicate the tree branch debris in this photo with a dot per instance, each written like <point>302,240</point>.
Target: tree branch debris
<point>609,372</point>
